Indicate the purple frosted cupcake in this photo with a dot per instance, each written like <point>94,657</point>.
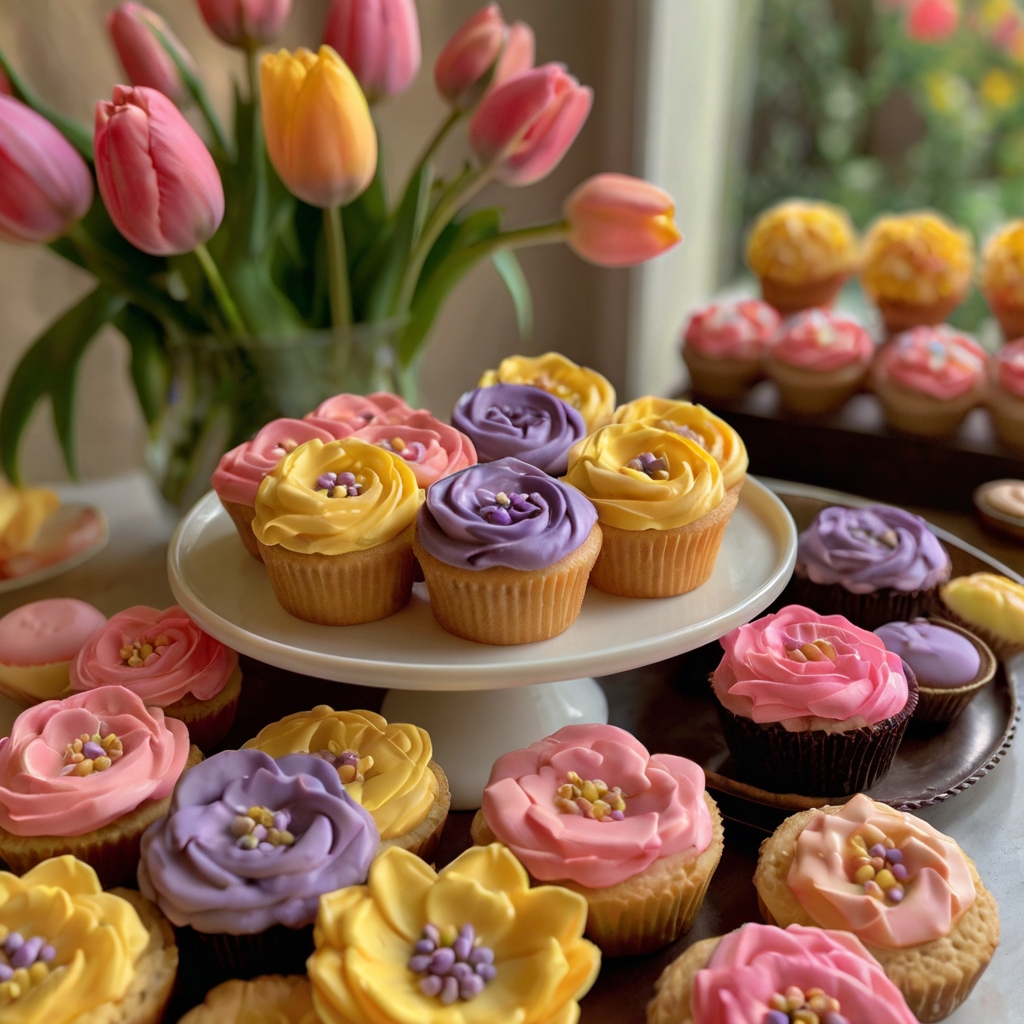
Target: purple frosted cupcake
<point>506,551</point>
<point>522,422</point>
<point>874,565</point>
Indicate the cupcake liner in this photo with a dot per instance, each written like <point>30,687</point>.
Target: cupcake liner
<point>916,413</point>
<point>721,378</point>
<point>155,971</point>
<point>242,516</point>
<point>209,721</point>
<point>812,392</point>
<point>1002,648</point>
<point>423,839</point>
<point>510,606</point>
<point>1007,411</point>
<point>343,590</point>
<point>939,705</point>
<point>1010,317</point>
<point>901,316</point>
<point>662,563</point>
<point>792,298</point>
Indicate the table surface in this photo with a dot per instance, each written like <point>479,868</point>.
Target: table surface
<point>988,820</point>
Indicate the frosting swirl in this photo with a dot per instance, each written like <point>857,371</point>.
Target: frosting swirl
<point>939,891</point>
<point>294,510</point>
<point>38,797</point>
<point>198,869</point>
<point>665,812</point>
<point>629,498</point>
<point>808,671</point>
<point>936,655</point>
<point>398,788</point>
<point>1002,268</point>
<point>1009,365</point>
<point>732,330</point>
<point>868,549</point>
<point>938,361</point>
<point>503,513</point>
<point>992,602</point>
<point>23,510</point>
<point>269,999</point>
<point>187,661</point>
<point>360,410</point>
<point>1006,497</point>
<point>799,240</point>
<point>820,340</point>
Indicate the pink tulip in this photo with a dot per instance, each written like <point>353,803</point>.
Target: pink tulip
<point>469,55</point>
<point>518,55</point>
<point>45,186</point>
<point>525,126</point>
<point>931,21</point>
<point>143,56</point>
<point>245,23</point>
<point>158,181</point>
<point>379,40</point>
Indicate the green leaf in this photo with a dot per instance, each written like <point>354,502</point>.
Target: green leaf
<point>366,216</point>
<point>150,367</point>
<point>506,263</point>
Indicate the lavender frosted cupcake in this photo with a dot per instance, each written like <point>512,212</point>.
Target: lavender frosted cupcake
<point>874,565</point>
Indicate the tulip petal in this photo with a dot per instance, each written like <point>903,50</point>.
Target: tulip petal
<point>470,53</point>
<point>507,113</point>
<point>518,55</point>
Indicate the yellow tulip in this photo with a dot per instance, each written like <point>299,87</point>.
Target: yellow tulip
<point>320,136</point>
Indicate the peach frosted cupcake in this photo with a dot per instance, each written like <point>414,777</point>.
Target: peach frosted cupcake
<point>1005,398</point>
<point>269,998</point>
<point>802,251</point>
<point>1002,278</point>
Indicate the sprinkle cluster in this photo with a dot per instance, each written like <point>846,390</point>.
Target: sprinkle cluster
<point>503,509</point>
<point>351,767</point>
<point>655,466</point>
<point>593,799</point>
<point>521,417</point>
<point>285,447</point>
<point>683,431</point>
<point>338,485</point>
<point>411,451</point>
<point>886,539</point>
<point>554,387</point>
<point>819,650</point>
<point>262,829</point>
<point>799,1007</point>
<point>23,963</point>
<point>455,966</point>
<point>95,753</point>
<point>878,868</point>
<point>134,655</point>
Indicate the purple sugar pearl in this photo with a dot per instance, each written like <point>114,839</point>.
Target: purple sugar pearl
<point>894,856</point>
<point>878,850</point>
<point>432,932</point>
<point>282,819</point>
<point>899,872</point>
<point>47,954</point>
<point>450,991</point>
<point>325,481</point>
<point>424,946</point>
<point>431,985</point>
<point>487,971</point>
<point>461,972</point>
<point>442,960</point>
<point>463,947</point>
<point>25,955</point>
<point>835,1018</point>
<point>776,1017</point>
<point>6,973</point>
<point>471,987</point>
<point>93,750</point>
<point>481,955</point>
<point>13,942</point>
<point>419,963</point>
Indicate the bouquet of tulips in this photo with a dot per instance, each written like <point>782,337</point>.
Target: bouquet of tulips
<point>220,256</point>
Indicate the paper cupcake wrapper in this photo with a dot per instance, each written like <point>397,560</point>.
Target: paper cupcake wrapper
<point>792,298</point>
<point>1002,648</point>
<point>209,721</point>
<point>242,516</point>
<point>423,839</point>
<point>814,393</point>
<point>721,378</point>
<point>1007,413</point>
<point>917,413</point>
<point>942,704</point>
<point>901,316</point>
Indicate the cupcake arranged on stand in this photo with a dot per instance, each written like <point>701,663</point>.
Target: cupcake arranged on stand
<point>271,998</point>
<point>724,344</point>
<point>802,252</point>
<point>1005,397</point>
<point>1002,278</point>
<point>819,359</point>
<point>23,511</point>
<point>506,551</point>
<point>907,891</point>
<point>635,834</point>
<point>991,606</point>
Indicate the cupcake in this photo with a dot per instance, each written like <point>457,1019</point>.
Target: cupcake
<point>388,769</point>
<point>240,472</point>
<point>334,524</point>
<point>952,665</point>
<point>724,343</point>
<point>874,565</point>
<point>506,552</point>
<point>246,850</point>
<point>271,999</point>
<point>636,835</point>
<point>1005,397</point>
<point>811,704</point>
<point>73,953</point>
<point>802,252</point>
<point>928,379</point>
<point>359,410</point>
<point>1002,278</point>
<point>590,394</point>
<point>916,268</point>
<point>471,943</point>
<point>87,776</point>
<point>23,510</point>
<point>1000,505</point>
<point>662,506</point>
<point>519,422</point>
<point>991,606</point>
<point>711,432</point>
<point>905,890</point>
<point>819,360</point>
<point>165,658</point>
<point>38,642</point>
<point>770,975</point>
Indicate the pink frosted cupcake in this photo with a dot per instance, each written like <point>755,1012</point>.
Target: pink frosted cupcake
<point>168,661</point>
<point>724,344</point>
<point>1006,393</point>
<point>359,410</point>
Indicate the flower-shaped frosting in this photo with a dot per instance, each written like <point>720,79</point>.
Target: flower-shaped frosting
<point>1006,497</point>
<point>743,329</point>
<point>536,964</point>
<point>609,470</point>
<point>269,999</point>
<point>301,506</point>
<point>587,391</point>
<point>820,340</point>
<point>160,655</point>
<point>359,410</point>
<point>215,864</point>
<point>397,786</point>
<point>1009,362</point>
<point>990,601</point>
<point>86,943</point>
<point>937,361</point>
<point>1002,268</point>
<point>800,241</point>
<point>754,965</point>
<point>665,812</point>
<point>23,510</point>
<point>809,671</point>
<point>40,796</point>
<point>936,884</point>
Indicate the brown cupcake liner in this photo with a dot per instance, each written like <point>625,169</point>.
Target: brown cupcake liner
<point>343,590</point>
<point>940,705</point>
<point>1007,411</point>
<point>423,839</point>
<point>902,316</point>
<point>510,606</point>
<point>721,378</point>
<point>242,516</point>
<point>209,721</point>
<point>793,298</point>
<point>1010,317</point>
<point>812,392</point>
<point>1002,648</point>
<point>662,563</point>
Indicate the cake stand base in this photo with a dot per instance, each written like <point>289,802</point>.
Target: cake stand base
<point>471,729</point>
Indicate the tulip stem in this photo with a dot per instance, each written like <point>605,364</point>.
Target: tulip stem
<point>439,136</point>
<point>337,261</point>
<point>537,234</point>
<point>220,291</point>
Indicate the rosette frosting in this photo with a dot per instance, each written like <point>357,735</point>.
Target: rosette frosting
<point>868,549</point>
<point>732,330</point>
<point>503,513</point>
<point>820,340</point>
<point>519,421</point>
<point>359,410</point>
<point>936,655</point>
<point>990,601</point>
<point>809,671</point>
<point>665,811</point>
<point>269,999</point>
<point>295,509</point>
<point>208,865</point>
<point>40,797</point>
<point>937,361</point>
<point>800,240</point>
<point>1010,368</point>
<point>630,498</point>
<point>1002,268</point>
<point>159,655</point>
<point>757,962</point>
<point>1006,497</point>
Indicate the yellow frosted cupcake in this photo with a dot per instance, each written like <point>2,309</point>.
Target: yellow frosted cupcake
<point>991,606</point>
<point>662,506</point>
<point>268,999</point>
<point>1002,278</point>
<point>916,268</point>
<point>334,524</point>
<point>386,768</point>
<point>23,510</point>
<point>802,252</point>
<point>591,394</point>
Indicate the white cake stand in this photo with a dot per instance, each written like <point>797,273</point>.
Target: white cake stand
<point>478,701</point>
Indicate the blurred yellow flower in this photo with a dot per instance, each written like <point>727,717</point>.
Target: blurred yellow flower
<point>994,12</point>
<point>998,89</point>
<point>947,93</point>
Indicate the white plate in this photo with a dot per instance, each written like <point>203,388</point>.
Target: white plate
<point>227,592</point>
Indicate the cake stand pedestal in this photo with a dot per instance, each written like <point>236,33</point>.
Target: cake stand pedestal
<point>478,701</point>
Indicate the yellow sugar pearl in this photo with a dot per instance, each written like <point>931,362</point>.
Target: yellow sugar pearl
<point>101,764</point>
<point>819,1003</point>
<point>806,1017</point>
<point>858,841</point>
<point>779,1002</point>
<point>83,768</point>
<point>287,839</point>
<point>885,879</point>
<point>865,873</point>
<point>21,978</point>
<point>566,806</point>
<point>38,971</point>
<point>565,791</point>
<point>126,652</point>
<point>145,651</point>
<point>347,772</point>
<point>365,764</point>
<point>573,778</point>
<point>589,791</point>
<point>4,932</point>
<point>601,787</point>
<point>13,989</point>
<point>874,890</point>
<point>161,641</point>
<point>888,843</point>
<point>795,997</point>
<point>449,933</point>
<point>872,835</point>
<point>601,810</point>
